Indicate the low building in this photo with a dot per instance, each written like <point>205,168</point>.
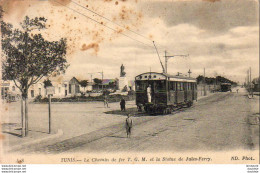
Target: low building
<point>62,88</point>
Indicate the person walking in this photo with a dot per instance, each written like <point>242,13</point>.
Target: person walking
<point>106,101</point>
<point>122,104</point>
<point>128,125</point>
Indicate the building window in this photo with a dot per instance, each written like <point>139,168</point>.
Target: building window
<point>40,91</point>
<point>70,88</point>
<point>32,93</point>
<point>59,89</point>
<point>13,88</point>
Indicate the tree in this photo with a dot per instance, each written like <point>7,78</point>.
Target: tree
<point>83,84</point>
<point>1,13</point>
<point>47,83</point>
<point>97,82</point>
<point>28,57</point>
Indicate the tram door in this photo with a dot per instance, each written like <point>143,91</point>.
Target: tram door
<point>150,84</point>
<point>185,88</point>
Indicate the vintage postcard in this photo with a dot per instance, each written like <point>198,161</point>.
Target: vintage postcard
<point>129,81</point>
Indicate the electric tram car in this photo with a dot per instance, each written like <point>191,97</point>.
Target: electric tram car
<point>225,87</point>
<point>163,93</point>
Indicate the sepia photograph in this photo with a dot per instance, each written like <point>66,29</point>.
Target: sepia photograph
<point>129,82</point>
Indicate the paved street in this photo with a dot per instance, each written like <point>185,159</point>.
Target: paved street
<point>223,121</point>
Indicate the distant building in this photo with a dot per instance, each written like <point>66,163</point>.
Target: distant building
<point>62,88</point>
<point>108,84</point>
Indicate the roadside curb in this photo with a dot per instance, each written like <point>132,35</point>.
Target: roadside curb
<point>19,146</point>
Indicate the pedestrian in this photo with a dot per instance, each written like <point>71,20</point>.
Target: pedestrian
<point>149,94</point>
<point>122,104</point>
<point>128,125</point>
<point>106,101</point>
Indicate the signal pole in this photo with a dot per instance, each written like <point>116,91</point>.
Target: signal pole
<point>204,86</point>
<point>167,57</point>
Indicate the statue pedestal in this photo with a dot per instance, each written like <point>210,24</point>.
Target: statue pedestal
<point>122,83</point>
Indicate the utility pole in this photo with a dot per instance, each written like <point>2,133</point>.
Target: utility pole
<point>102,80</point>
<point>204,87</point>
<point>167,57</point>
<point>251,88</point>
<point>91,76</point>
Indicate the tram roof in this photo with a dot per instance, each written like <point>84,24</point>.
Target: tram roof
<point>182,78</point>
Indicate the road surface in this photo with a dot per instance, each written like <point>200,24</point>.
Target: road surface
<point>223,121</point>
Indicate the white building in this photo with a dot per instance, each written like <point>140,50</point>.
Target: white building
<point>62,88</point>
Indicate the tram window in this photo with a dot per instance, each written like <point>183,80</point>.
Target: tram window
<point>160,85</point>
<point>140,85</point>
<point>179,86</point>
<point>174,86</point>
<point>171,85</point>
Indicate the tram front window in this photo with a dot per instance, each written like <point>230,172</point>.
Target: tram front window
<point>141,85</point>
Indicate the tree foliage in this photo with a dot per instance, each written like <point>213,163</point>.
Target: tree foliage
<point>97,81</point>
<point>83,83</point>
<point>212,80</point>
<point>1,12</point>
<point>47,83</point>
<point>28,56</point>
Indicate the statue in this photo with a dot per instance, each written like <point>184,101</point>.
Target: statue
<point>122,72</point>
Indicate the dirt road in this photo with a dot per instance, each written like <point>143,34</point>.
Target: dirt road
<point>224,121</point>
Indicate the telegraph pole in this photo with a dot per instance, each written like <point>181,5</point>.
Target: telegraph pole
<point>102,80</point>
<point>90,77</point>
<point>167,57</point>
<point>204,87</point>
<point>251,89</point>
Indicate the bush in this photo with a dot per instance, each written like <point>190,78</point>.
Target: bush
<point>37,98</point>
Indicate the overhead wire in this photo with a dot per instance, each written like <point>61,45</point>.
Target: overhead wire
<point>114,22</point>
<point>110,20</point>
<point>102,24</point>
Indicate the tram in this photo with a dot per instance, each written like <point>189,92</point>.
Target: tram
<point>163,93</point>
<point>225,87</point>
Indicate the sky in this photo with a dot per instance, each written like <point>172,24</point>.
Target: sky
<point>221,36</point>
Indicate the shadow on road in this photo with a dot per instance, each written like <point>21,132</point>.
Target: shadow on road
<point>132,111</point>
<point>116,137</point>
<point>14,134</point>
